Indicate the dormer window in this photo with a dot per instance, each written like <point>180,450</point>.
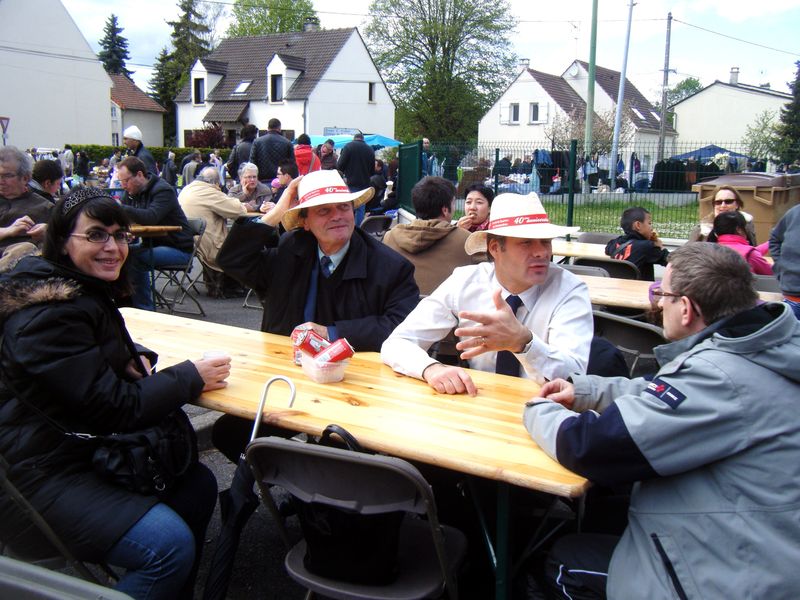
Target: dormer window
<point>637,113</point>
<point>275,88</point>
<point>199,88</point>
<point>243,86</point>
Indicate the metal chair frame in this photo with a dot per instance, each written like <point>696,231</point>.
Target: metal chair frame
<point>179,276</point>
<point>621,269</point>
<point>630,336</point>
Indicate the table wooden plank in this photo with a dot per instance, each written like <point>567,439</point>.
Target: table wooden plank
<point>582,249</point>
<point>387,412</point>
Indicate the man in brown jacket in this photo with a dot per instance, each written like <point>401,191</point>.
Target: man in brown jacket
<point>433,244</point>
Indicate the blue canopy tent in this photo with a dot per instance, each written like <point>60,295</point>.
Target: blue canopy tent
<point>339,141</point>
<point>707,152</point>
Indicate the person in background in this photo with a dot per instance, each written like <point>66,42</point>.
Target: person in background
<point>327,155</point>
<point>477,205</point>
<point>357,164</point>
<point>725,198</point>
<point>729,230</point>
<point>46,179</point>
<point>67,161</point>
<point>190,168</point>
<point>241,152</point>
<point>81,167</point>
<point>250,191</point>
<point>269,150</point>
<point>170,171</point>
<point>115,158</point>
<point>640,244</point>
<point>72,358</point>
<point>287,171</point>
<point>784,247</point>
<point>378,183</point>
<point>710,512</point>
<point>132,138</point>
<point>304,156</point>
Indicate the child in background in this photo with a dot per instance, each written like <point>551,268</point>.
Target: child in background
<point>730,229</point>
<point>640,244</point>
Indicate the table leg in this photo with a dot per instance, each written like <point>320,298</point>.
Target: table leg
<point>502,576</point>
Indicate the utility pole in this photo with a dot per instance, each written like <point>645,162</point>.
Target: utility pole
<point>587,138</point>
<point>663,129</point>
<point>620,101</point>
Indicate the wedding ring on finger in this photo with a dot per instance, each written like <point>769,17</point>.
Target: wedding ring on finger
<point>483,340</point>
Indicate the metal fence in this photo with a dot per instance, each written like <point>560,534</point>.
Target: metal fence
<point>662,187</point>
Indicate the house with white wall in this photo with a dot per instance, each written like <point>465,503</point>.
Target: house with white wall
<point>131,106</point>
<point>721,112</point>
<point>310,80</point>
<point>535,99</point>
<point>54,90</point>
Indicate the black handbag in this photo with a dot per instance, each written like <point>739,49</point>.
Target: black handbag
<point>347,545</point>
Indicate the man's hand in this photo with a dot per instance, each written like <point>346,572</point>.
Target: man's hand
<point>18,227</point>
<point>449,380</point>
<point>266,206</point>
<point>37,232</point>
<point>287,200</point>
<point>317,328</point>
<point>559,390</point>
<point>133,371</point>
<point>497,330</point>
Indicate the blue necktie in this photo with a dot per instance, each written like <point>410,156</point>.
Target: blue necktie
<point>507,363</point>
<point>326,263</point>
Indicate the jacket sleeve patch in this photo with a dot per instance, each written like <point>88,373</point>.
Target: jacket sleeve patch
<point>669,395</point>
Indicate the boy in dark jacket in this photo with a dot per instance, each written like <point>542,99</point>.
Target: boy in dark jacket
<point>640,244</point>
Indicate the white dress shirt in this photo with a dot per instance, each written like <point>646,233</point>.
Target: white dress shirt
<point>558,313</point>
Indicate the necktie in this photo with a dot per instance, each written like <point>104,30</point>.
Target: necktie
<point>326,263</point>
<point>507,363</point>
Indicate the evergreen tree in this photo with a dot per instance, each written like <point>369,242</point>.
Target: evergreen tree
<point>261,17</point>
<point>162,85</point>
<point>788,129</point>
<point>114,51</point>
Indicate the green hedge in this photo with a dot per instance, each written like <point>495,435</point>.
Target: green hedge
<point>98,153</point>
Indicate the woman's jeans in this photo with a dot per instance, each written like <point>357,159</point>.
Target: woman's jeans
<point>161,552</point>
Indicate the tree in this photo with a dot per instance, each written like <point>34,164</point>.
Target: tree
<point>163,89</point>
<point>114,51</point>
<point>760,139</point>
<point>445,61</point>
<point>788,129</point>
<point>262,17</point>
<point>571,126</point>
<point>683,89</point>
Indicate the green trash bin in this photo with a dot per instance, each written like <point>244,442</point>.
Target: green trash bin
<point>766,196</point>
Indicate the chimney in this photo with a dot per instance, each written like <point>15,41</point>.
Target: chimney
<point>524,63</point>
<point>311,24</point>
<point>734,75</point>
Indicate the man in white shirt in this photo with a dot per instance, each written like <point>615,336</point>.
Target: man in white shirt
<point>548,337</point>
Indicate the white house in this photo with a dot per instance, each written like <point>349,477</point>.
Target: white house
<point>54,89</point>
<point>131,106</point>
<point>310,80</point>
<point>721,112</point>
<point>534,99</point>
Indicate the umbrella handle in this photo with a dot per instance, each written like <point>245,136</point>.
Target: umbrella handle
<point>261,404</point>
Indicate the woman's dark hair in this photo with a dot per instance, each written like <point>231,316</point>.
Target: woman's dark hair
<point>94,204</point>
<point>483,190</point>
<point>304,139</point>
<point>728,223</point>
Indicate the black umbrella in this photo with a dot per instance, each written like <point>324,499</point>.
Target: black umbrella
<point>237,503</point>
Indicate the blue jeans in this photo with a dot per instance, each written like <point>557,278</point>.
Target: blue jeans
<point>795,306</point>
<point>161,551</point>
<point>142,263</point>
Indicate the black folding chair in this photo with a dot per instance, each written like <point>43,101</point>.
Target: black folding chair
<point>633,338</point>
<point>376,225</point>
<point>428,554</point>
<point>621,269</point>
<point>179,277</point>
<point>766,283</point>
<point>596,237</point>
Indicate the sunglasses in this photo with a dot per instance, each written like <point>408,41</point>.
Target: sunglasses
<point>724,201</point>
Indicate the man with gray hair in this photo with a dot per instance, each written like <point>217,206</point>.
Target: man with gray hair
<point>202,198</point>
<point>253,194</point>
<point>711,445</point>
<point>23,214</point>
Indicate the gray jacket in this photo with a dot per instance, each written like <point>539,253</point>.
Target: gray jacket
<point>713,444</point>
<point>784,247</point>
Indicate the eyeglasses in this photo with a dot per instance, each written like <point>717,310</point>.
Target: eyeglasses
<point>7,176</point>
<point>98,236</point>
<point>724,201</point>
<point>656,293</point>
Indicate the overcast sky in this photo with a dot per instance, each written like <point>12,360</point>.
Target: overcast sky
<point>553,34</point>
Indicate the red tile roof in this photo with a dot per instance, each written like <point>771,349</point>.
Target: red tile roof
<point>129,97</point>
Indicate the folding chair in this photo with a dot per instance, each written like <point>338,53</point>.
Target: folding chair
<point>585,270</point>
<point>24,581</point>
<point>633,338</point>
<point>376,225</point>
<point>596,237</point>
<point>429,553</point>
<point>621,269</point>
<point>179,276</point>
<point>63,556</point>
<point>766,283</point>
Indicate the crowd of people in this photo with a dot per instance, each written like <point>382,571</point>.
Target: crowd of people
<point>703,461</point>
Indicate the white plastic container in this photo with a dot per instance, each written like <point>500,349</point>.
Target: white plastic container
<point>330,372</point>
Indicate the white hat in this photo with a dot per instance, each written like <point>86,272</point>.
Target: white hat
<point>133,133</point>
<point>323,187</point>
<point>515,215</point>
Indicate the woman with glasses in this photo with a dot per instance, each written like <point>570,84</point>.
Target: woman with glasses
<point>726,198</point>
<point>66,354</point>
